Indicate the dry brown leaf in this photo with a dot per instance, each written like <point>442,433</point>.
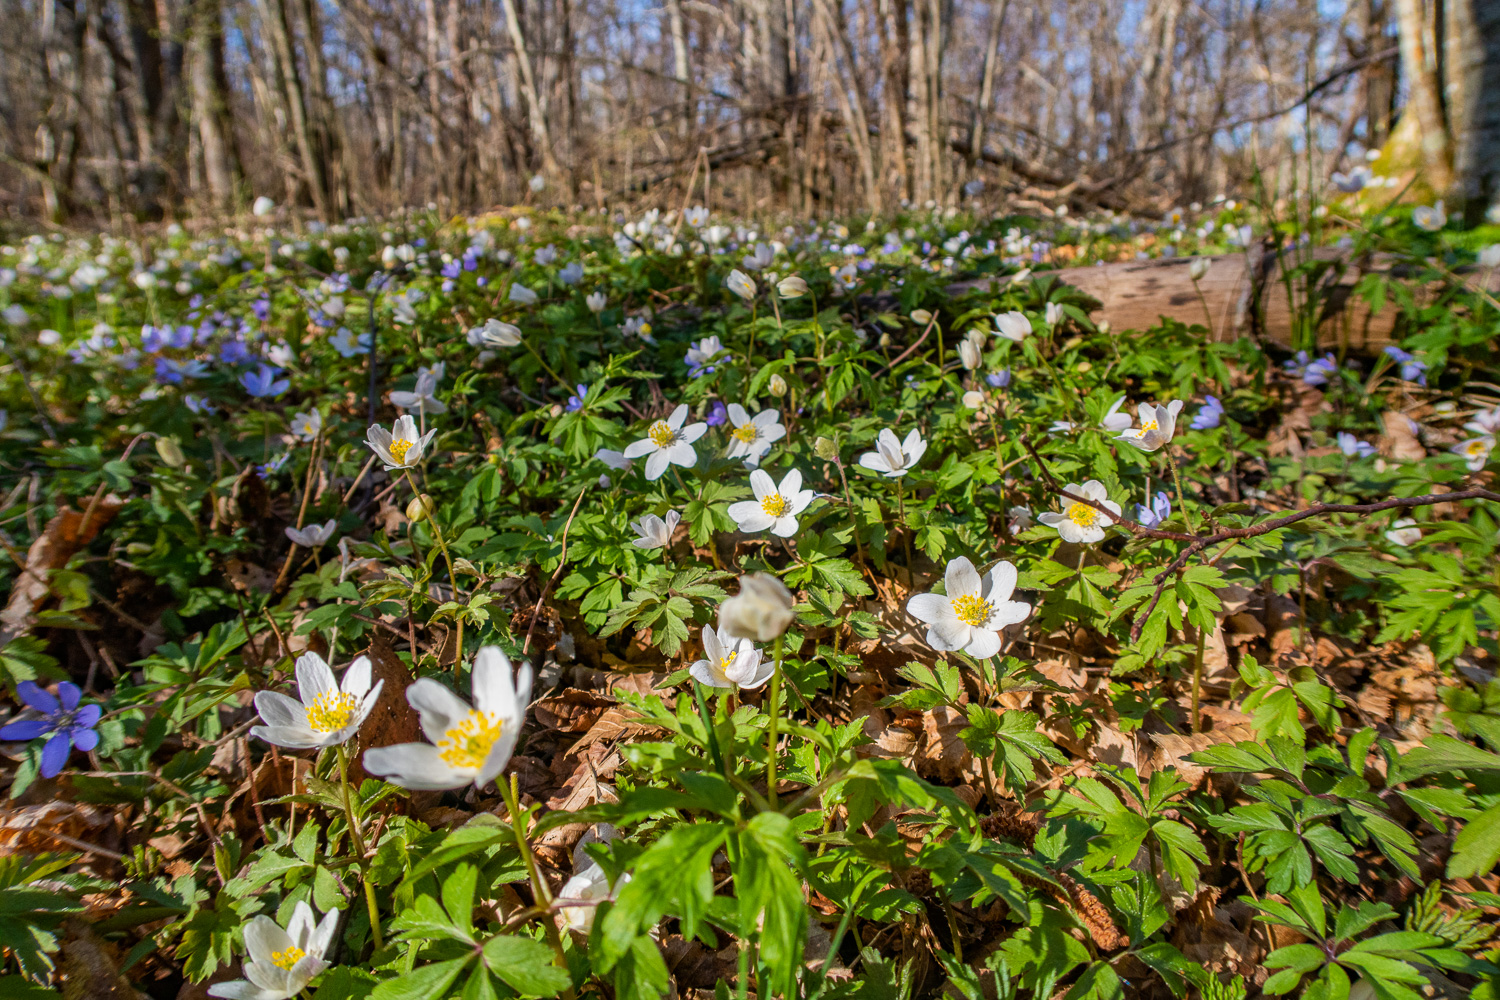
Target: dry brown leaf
<point>1399,440</point>
<point>1172,749</point>
<point>69,531</point>
<point>616,724</point>
<point>35,829</point>
<point>571,710</point>
<point>943,753</point>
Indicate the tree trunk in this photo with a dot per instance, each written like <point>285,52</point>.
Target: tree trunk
<point>1472,72</point>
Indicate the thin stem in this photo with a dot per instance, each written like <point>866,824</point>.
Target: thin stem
<point>359,848</point>
<point>510,791</point>
<point>1198,675</point>
<point>1177,482</point>
<point>437,535</point>
<point>543,362</point>
<point>901,521</point>
<point>773,708</point>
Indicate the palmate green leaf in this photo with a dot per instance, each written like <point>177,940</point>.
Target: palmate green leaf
<point>1439,753</point>
<point>674,875</point>
<point>527,965</point>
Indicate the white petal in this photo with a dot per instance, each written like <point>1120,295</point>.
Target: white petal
<point>314,678</point>
<point>492,686</point>
<point>438,707</point>
<point>264,936</point>
<point>417,766</point>
<point>791,483</point>
<point>962,578</point>
<point>762,484</point>
<point>875,461</point>
<point>638,448</point>
<point>948,635</point>
<point>737,414</point>
<point>657,464</point>
<point>682,454</point>
<point>798,502</point>
<point>1002,582</point>
<point>704,673</point>
<point>693,432</point>
<point>929,608</point>
<point>785,527</point>
<point>240,989</point>
<point>678,416</point>
<point>357,678</point>
<point>983,644</point>
<point>300,927</point>
<point>292,737</point>
<point>278,709</point>
<point>1008,613</point>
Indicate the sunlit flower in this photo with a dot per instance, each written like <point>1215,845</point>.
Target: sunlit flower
<point>521,295</point>
<point>400,447</point>
<point>613,459</point>
<point>968,354</point>
<point>774,507</point>
<point>468,744</point>
<point>307,426</point>
<point>730,662</point>
<point>1080,523</point>
<point>325,713</point>
<point>1353,447</point>
<point>423,398</point>
<point>1154,515</point>
<point>1158,424</point>
<point>893,458</point>
<point>1404,532</point>
<point>1352,182</point>
<point>762,609</point>
<point>973,611</point>
<point>668,442</point>
<point>1198,268</point>
<point>655,532</point>
<point>696,216</point>
<point>1475,452</point>
<point>1114,420</point>
<point>1208,415</point>
<point>64,723</point>
<point>262,207</point>
<point>493,333</point>
<point>700,354</point>
<point>753,437</point>
<point>1013,325</point>
<point>791,287</point>
<point>1430,218</point>
<point>589,885</point>
<point>740,284</point>
<point>1412,370</point>
<point>571,274</point>
<point>281,963</point>
<point>973,399</point>
<point>1486,423</point>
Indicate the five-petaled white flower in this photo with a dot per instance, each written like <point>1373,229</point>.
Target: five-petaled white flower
<point>1114,420</point>
<point>400,447</point>
<point>893,458</point>
<point>740,284</point>
<point>1079,522</point>
<point>667,442</point>
<point>752,437</point>
<point>774,507</point>
<point>1475,452</point>
<point>423,398</point>
<point>494,333</point>
<point>1158,423</point>
<point>324,713</point>
<point>655,532</point>
<point>281,962</point>
<point>307,426</point>
<point>730,663</point>
<point>314,535</point>
<point>971,615</point>
<point>1013,325</point>
<point>1404,532</point>
<point>469,744</point>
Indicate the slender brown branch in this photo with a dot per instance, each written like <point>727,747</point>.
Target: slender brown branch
<point>561,562</point>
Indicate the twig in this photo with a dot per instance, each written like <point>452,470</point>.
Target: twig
<point>561,562</point>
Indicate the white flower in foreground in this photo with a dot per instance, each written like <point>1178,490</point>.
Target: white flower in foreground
<point>521,295</point>
<point>280,962</point>
<point>595,302</point>
<point>494,333</point>
<point>1158,423</point>
<point>740,284</point>
<point>1431,219</point>
<point>423,398</point>
<point>307,426</point>
<point>791,287</point>
<point>314,535</point>
<point>753,437</point>
<point>667,442</point>
<point>400,447</point>
<point>324,713</point>
<point>589,885</point>
<point>730,662</point>
<point>1404,532</point>
<point>1078,522</point>
<point>262,207</point>
<point>655,532</point>
<point>893,458</point>
<point>1114,420</point>
<point>971,615</point>
<point>469,744</point>
<point>762,609</point>
<point>774,507</point>
<point>1476,452</point>
<point>1013,325</point>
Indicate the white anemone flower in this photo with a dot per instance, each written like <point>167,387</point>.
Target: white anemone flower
<point>655,532</point>
<point>521,295</point>
<point>740,284</point>
<point>774,507</point>
<point>1486,423</point>
<point>314,535</point>
<point>400,447</point>
<point>760,257</point>
<point>971,615</point>
<point>589,884</point>
<point>281,962</point>
<point>494,333</point>
<point>696,216</point>
<point>1013,325</point>
<point>307,426</point>
<point>969,355</point>
<point>730,662</point>
<point>1404,532</point>
<point>753,437</point>
<point>1114,420</point>
<point>1158,423</point>
<point>1055,314</point>
<point>469,744</point>
<point>324,713</point>
<point>668,442</point>
<point>1475,452</point>
<point>893,458</point>
<point>423,398</point>
<point>595,302</point>
<point>1430,218</point>
<point>1078,522</point>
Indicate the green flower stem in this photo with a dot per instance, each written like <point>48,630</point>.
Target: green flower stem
<point>773,708</point>
<point>543,362</point>
<point>437,535</point>
<point>359,848</point>
<point>1177,482</point>
<point>901,521</point>
<point>510,791</point>
<point>708,722</point>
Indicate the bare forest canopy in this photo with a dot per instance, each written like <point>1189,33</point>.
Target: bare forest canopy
<point>150,109</point>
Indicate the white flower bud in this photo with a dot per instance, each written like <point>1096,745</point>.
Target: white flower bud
<point>762,610</point>
<point>420,508</point>
<point>776,386</point>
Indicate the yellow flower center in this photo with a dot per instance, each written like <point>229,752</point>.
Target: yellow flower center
<point>287,959</point>
<point>1082,515</point>
<point>399,448</point>
<point>775,505</point>
<point>1148,426</point>
<point>725,662</point>
<point>661,434</point>
<point>331,711</point>
<point>1475,448</point>
<point>971,609</point>
<point>745,432</point>
<point>468,743</point>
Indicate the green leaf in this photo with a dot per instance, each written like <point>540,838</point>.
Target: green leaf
<point>426,982</point>
<point>526,964</point>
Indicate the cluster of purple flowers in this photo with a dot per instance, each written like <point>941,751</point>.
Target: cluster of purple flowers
<point>1312,371</point>
<point>1412,370</point>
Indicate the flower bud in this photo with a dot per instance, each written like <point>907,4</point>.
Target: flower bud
<point>969,355</point>
<point>776,386</point>
<point>762,610</point>
<point>170,452</point>
<point>921,317</point>
<point>420,508</point>
<point>1198,268</point>
<point>1104,326</point>
<point>826,448</point>
<point>973,399</point>
<point>791,288</point>
<point>885,340</point>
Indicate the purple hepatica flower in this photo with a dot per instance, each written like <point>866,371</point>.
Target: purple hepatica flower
<point>1209,415</point>
<point>262,308</point>
<point>1158,512</point>
<point>470,262</point>
<point>717,414</point>
<point>153,338</point>
<point>234,352</point>
<point>198,404</point>
<point>481,281</point>
<point>452,269</point>
<point>575,402</point>
<point>1411,369</point>
<point>263,383</point>
<point>169,372</point>
<point>1312,371</point>
<point>274,465</point>
<point>180,337</point>
<point>999,379</point>
<point>1353,446</point>
<point>65,724</point>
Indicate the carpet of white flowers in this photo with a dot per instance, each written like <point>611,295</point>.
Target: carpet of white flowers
<point>543,606</point>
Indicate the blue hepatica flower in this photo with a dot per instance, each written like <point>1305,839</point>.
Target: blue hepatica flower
<point>1209,415</point>
<point>198,404</point>
<point>63,722</point>
<point>575,402</point>
<point>1353,446</point>
<point>262,309</point>
<point>263,383</point>
<point>452,269</point>
<point>999,379</point>
<point>234,352</point>
<point>275,465</point>
<point>717,414</point>
<point>348,345</point>
<point>153,338</point>
<point>169,372</point>
<point>1153,516</point>
<point>1411,369</point>
<point>1312,371</point>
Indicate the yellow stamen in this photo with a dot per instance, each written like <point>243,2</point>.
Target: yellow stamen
<point>661,434</point>
<point>289,958</point>
<point>725,662</point>
<point>399,448</point>
<point>971,609</point>
<point>775,505</point>
<point>1475,448</point>
<point>1149,425</point>
<point>468,743</point>
<point>1082,515</point>
<point>745,432</point>
<point>331,711</point>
